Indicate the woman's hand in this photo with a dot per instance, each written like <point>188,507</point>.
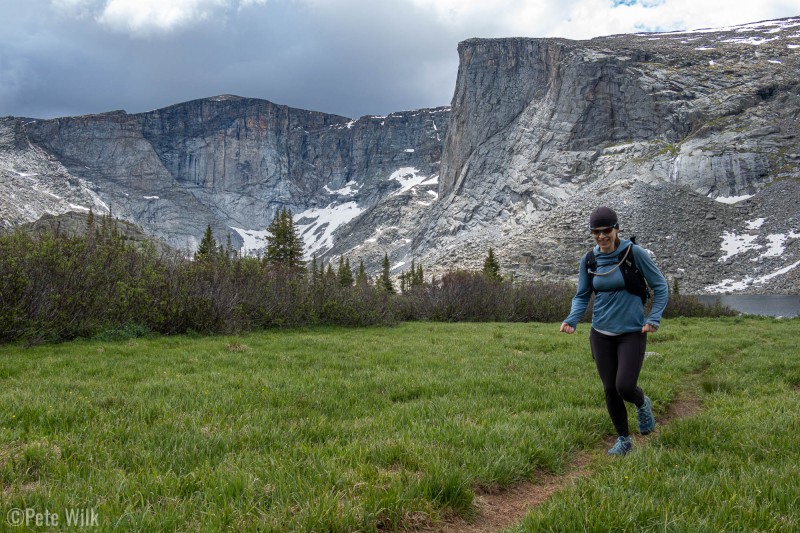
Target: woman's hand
<point>566,328</point>
<point>649,328</point>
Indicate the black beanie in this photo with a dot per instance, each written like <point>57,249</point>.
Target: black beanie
<point>603,217</point>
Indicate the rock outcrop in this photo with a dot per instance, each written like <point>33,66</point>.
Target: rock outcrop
<point>543,129</point>
<point>230,162</point>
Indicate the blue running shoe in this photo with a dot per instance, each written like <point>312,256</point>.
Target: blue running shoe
<point>622,446</point>
<point>646,421</point>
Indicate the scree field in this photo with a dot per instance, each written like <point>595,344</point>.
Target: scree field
<point>387,428</point>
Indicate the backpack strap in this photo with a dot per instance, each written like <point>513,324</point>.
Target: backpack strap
<point>591,266</point>
<point>635,283</point>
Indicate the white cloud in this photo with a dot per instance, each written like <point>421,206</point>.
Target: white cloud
<point>582,19</point>
<point>155,15</point>
<point>144,17</point>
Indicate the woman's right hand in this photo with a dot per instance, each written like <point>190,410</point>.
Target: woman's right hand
<point>566,328</point>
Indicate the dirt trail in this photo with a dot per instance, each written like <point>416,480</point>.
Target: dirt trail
<point>500,510</point>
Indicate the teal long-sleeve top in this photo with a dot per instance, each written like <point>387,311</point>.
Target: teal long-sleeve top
<point>616,310</point>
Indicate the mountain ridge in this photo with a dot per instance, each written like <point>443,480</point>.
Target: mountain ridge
<point>664,127</point>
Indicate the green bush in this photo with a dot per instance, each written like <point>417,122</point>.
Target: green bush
<point>56,287</point>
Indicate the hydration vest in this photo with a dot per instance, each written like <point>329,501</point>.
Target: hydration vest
<point>634,279</point>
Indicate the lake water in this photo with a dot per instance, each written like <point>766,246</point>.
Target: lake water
<point>784,305</point>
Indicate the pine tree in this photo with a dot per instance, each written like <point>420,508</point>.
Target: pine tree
<point>284,245</point>
<point>312,268</point>
<point>361,277</point>
<point>330,275</point>
<point>345,272</point>
<point>419,278</point>
<point>491,268</point>
<point>385,280</point>
<point>208,246</point>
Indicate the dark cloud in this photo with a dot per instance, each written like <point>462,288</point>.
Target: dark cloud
<point>349,57</point>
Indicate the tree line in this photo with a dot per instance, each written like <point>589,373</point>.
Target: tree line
<point>57,286</point>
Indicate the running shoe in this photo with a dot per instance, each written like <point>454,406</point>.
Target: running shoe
<point>622,446</point>
<point>646,421</point>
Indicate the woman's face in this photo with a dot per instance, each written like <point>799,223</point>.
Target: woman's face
<point>606,238</point>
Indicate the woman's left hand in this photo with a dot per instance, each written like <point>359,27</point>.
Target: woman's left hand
<point>649,328</point>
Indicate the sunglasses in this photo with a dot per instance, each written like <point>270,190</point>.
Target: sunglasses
<point>604,231</point>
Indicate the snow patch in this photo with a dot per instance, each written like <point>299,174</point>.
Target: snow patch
<point>317,233</point>
<point>254,240</point>
<point>730,285</point>
<point>769,25</point>
<point>793,46</point>
<point>755,41</point>
<point>755,224</point>
<point>408,178</point>
<point>705,48</point>
<point>349,189</point>
<point>777,273</point>
<point>78,208</point>
<point>777,244</point>
<point>409,150</point>
<point>150,197</point>
<point>733,244</point>
<point>732,199</point>
<point>775,61</point>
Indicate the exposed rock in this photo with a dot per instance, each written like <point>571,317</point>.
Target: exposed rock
<point>74,223</point>
<point>691,136</point>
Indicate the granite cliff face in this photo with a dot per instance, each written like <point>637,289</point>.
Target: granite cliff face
<point>691,136</point>
<point>231,161</point>
<point>657,125</point>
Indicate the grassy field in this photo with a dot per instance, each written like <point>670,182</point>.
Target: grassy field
<point>334,429</point>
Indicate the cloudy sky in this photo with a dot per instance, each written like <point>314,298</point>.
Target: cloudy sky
<point>349,57</point>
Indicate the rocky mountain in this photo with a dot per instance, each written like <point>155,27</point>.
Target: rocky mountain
<point>691,136</point>
<point>225,161</point>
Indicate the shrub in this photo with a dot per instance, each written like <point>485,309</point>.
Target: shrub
<point>55,287</point>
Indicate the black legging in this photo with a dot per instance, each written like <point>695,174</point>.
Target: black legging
<point>619,360</point>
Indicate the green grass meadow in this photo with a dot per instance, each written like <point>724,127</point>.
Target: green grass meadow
<point>386,428</point>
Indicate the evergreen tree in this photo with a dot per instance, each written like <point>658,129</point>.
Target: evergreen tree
<point>385,279</point>
<point>414,277</point>
<point>284,245</point>
<point>312,268</point>
<point>491,268</point>
<point>230,253</point>
<point>313,271</point>
<point>208,246</point>
<point>330,275</point>
<point>361,277</point>
<point>345,272</point>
